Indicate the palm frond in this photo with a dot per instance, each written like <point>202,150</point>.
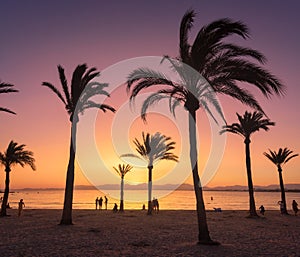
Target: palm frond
<point>7,88</point>
<point>103,107</point>
<point>64,84</point>
<point>15,154</point>
<point>185,26</point>
<point>229,88</point>
<point>76,82</point>
<point>282,156</point>
<point>248,124</point>
<point>210,37</point>
<point>130,155</point>
<point>55,90</point>
<point>290,157</point>
<point>2,109</point>
<point>144,78</point>
<point>122,170</point>
<point>232,50</point>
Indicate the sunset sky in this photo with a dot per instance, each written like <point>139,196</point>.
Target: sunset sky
<point>36,36</point>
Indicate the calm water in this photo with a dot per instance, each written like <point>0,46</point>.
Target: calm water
<point>184,200</point>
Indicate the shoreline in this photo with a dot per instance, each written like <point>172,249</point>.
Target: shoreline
<point>133,233</point>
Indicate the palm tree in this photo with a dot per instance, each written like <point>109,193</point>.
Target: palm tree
<point>14,154</point>
<point>152,149</point>
<point>6,88</point>
<point>223,65</point>
<point>248,124</point>
<point>76,100</point>
<point>279,159</point>
<point>122,170</point>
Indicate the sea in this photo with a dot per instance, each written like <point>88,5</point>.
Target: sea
<point>176,200</point>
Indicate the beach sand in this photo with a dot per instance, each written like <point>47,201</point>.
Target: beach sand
<point>133,233</point>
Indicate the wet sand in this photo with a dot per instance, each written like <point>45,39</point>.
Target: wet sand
<point>133,233</point>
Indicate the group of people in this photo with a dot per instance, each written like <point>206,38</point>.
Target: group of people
<point>21,205</point>
<point>99,202</point>
<point>282,209</point>
<point>154,205</point>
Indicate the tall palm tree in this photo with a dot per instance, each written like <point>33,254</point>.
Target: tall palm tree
<point>122,170</point>
<point>14,154</point>
<point>248,124</point>
<point>279,159</point>
<point>6,88</point>
<point>152,149</point>
<point>223,65</point>
<point>77,100</point>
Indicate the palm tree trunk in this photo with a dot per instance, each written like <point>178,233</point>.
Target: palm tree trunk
<point>66,218</point>
<point>122,195</point>
<point>150,167</point>
<point>203,236</point>
<point>252,209</point>
<point>284,211</point>
<point>5,196</point>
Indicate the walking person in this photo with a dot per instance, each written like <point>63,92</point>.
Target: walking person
<point>21,205</point>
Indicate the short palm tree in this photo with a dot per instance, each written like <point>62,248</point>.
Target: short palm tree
<point>6,88</point>
<point>77,100</point>
<point>122,170</point>
<point>223,65</point>
<point>279,159</point>
<point>248,124</point>
<point>14,154</point>
<point>152,149</point>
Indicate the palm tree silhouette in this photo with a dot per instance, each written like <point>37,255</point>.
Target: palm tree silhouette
<point>14,154</point>
<point>248,124</point>
<point>6,88</point>
<point>77,100</point>
<point>122,170</point>
<point>279,159</point>
<point>152,149</point>
<point>223,65</point>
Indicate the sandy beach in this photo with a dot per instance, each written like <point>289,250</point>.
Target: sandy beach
<point>133,233</point>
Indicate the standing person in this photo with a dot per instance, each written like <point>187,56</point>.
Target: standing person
<point>96,202</point>
<point>262,210</point>
<point>21,205</point>
<point>295,207</point>
<point>281,206</point>
<point>100,203</point>
<point>105,201</point>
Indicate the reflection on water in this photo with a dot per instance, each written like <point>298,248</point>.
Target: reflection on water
<point>178,200</point>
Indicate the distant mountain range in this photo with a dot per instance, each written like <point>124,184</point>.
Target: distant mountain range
<point>183,187</point>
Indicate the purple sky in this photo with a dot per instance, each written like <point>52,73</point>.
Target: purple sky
<point>36,36</point>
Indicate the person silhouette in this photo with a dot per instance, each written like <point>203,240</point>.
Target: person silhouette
<point>96,202</point>
<point>105,201</point>
<point>100,203</point>
<point>281,205</point>
<point>295,207</point>
<point>155,205</point>
<point>115,209</point>
<point>262,210</point>
<point>21,205</point>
